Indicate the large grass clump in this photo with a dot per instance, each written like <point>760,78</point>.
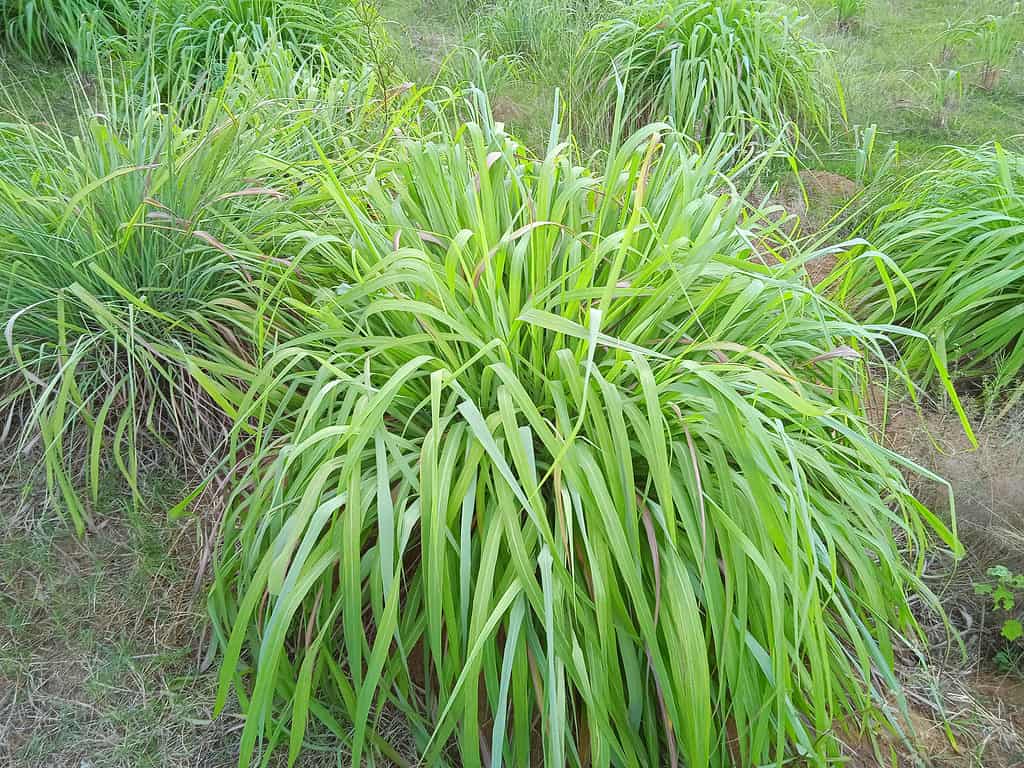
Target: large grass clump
<point>137,257</point>
<point>126,248</point>
<point>741,66</point>
<point>562,475</point>
<point>190,42</point>
<point>194,39</point>
<point>953,267</point>
<point>77,27</point>
<point>124,253</point>
<point>541,33</point>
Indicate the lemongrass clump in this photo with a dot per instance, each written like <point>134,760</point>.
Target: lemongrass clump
<point>563,474</point>
<point>192,40</point>
<point>139,257</point>
<point>741,66</point>
<point>125,251</point>
<point>542,34</point>
<point>950,264</point>
<point>81,28</point>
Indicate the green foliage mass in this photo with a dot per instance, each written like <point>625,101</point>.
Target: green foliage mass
<point>949,263</point>
<point>555,449</point>
<point>741,66</point>
<point>563,462</point>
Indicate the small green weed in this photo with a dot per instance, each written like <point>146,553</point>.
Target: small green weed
<point>1005,588</point>
<point>869,166</point>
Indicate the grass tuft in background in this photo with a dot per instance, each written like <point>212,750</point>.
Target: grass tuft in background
<point>949,262</point>
<point>741,66</point>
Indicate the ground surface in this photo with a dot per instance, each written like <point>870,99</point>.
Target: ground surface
<point>99,641</point>
<point>102,641</point>
<point>886,67</point>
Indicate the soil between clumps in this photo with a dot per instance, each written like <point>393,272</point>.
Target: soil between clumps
<point>966,711</point>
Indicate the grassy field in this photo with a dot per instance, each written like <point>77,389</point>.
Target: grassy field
<point>102,641</point>
<point>110,643</point>
<point>885,65</point>
<point>887,71</point>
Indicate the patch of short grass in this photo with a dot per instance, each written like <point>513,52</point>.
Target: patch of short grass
<point>43,91</point>
<point>886,66</point>
<point>101,640</point>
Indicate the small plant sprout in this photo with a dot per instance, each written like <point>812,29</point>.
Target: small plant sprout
<point>997,39</point>
<point>867,166</point>
<point>1004,587</point>
<point>947,90</point>
<point>850,14</point>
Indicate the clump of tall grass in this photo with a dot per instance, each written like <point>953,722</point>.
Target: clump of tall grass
<point>998,40</point>
<point>318,107</point>
<point>954,35</point>
<point>138,252</point>
<point>850,14</point>
<point>76,27</point>
<point>941,93</point>
<point>743,66</point>
<point>953,266</point>
<point>193,39</point>
<point>561,473</point>
<point>543,34</point>
<point>127,249</point>
<point>474,67</point>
